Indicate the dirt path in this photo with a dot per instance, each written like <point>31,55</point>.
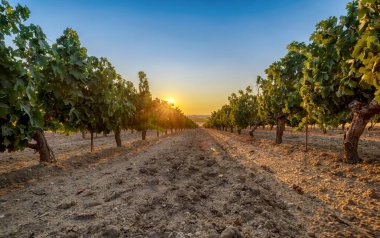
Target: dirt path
<point>188,184</point>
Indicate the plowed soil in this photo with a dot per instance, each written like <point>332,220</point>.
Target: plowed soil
<point>195,183</point>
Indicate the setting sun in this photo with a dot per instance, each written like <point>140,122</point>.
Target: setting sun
<point>170,101</point>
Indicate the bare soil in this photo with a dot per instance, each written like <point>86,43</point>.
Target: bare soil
<point>196,183</point>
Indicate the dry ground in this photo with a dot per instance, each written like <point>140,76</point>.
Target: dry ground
<point>197,183</point>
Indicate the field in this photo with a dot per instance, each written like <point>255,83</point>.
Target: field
<point>142,167</point>
<point>194,183</point>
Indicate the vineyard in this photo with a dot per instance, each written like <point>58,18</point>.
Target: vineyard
<point>334,80</point>
<point>59,87</point>
<point>86,153</point>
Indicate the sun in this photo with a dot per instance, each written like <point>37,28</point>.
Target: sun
<point>170,101</point>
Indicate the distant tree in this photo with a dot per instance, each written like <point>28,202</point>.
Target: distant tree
<point>143,119</point>
<point>279,97</point>
<point>242,108</point>
<point>122,107</point>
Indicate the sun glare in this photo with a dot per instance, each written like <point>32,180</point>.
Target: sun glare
<point>170,101</point>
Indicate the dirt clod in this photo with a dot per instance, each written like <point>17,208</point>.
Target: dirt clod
<point>84,216</point>
<point>111,232</point>
<point>231,232</point>
<point>66,205</point>
<point>298,189</point>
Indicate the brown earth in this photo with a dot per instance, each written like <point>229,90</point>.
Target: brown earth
<point>197,183</point>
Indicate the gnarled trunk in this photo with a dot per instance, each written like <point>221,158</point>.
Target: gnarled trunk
<point>43,148</point>
<point>361,114</point>
<point>92,141</point>
<point>118,137</point>
<point>371,126</point>
<point>143,135</point>
<point>255,126</point>
<point>280,129</point>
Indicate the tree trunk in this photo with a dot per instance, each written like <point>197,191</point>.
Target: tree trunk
<point>361,114</point>
<point>83,135</point>
<point>105,134</point>
<point>117,137</point>
<point>232,129</point>
<point>143,135</point>
<point>171,130</point>
<point>371,126</point>
<point>43,148</point>
<point>92,141</point>
<point>132,131</point>
<point>280,129</point>
<point>271,126</point>
<point>306,136</point>
<point>158,133</point>
<point>263,126</point>
<point>239,131</point>
<point>343,126</point>
<point>255,126</point>
<point>166,131</point>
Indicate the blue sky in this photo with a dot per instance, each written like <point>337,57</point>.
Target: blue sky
<point>197,52</point>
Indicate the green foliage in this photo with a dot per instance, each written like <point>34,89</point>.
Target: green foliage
<point>59,87</point>
<point>20,111</point>
<point>64,88</point>
<point>144,116</point>
<point>279,92</point>
<point>318,81</point>
<point>341,65</point>
<point>366,57</point>
<point>244,108</point>
<point>241,112</point>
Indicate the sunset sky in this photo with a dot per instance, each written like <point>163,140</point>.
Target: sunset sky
<point>195,52</point>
